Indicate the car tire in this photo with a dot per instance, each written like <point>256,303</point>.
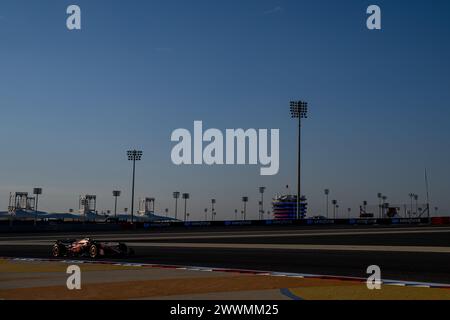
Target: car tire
<point>56,251</point>
<point>93,251</point>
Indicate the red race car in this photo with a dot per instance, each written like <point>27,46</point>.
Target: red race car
<point>88,247</point>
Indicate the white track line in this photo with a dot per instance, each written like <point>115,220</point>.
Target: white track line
<point>316,247</point>
<point>245,271</point>
<point>418,249</point>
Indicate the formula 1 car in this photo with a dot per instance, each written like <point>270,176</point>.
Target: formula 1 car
<point>88,247</point>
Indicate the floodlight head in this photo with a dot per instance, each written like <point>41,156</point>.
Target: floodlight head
<point>116,193</point>
<point>299,109</point>
<point>262,189</point>
<point>185,195</point>
<point>327,191</point>
<point>134,155</point>
<point>334,202</point>
<point>213,200</point>
<point>245,199</point>
<point>176,194</point>
<point>37,191</point>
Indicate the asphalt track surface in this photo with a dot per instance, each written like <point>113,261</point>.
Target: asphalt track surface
<point>419,253</point>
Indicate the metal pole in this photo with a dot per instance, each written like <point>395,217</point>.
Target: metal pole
<point>176,208</point>
<point>36,210</point>
<point>245,210</point>
<point>185,203</point>
<point>132,190</point>
<point>379,208</point>
<point>417,204</point>
<point>298,167</point>
<point>410,213</point>
<point>428,192</point>
<point>327,204</point>
<point>262,206</point>
<point>115,207</point>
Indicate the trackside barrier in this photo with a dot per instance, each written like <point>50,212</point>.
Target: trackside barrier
<point>440,220</point>
<point>61,226</point>
<point>268,223</point>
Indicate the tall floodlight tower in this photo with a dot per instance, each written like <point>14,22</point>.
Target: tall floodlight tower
<point>299,110</point>
<point>416,198</point>
<point>334,202</point>
<point>261,207</point>
<point>245,200</point>
<point>379,195</point>
<point>176,195</point>
<point>383,207</point>
<point>213,212</point>
<point>327,192</point>
<point>37,192</point>
<point>185,196</point>
<point>133,155</point>
<point>116,194</point>
<point>411,196</point>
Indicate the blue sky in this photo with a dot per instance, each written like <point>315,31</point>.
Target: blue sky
<point>72,102</point>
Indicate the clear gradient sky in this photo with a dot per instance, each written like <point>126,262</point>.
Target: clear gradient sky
<point>73,102</point>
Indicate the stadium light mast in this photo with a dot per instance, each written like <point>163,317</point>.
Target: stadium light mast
<point>36,192</point>
<point>245,200</point>
<point>185,197</point>
<point>176,195</point>
<point>327,192</point>
<point>213,202</point>
<point>411,196</point>
<point>261,208</point>
<point>380,196</point>
<point>116,194</point>
<point>133,155</point>
<point>334,202</point>
<point>299,110</point>
<point>383,207</point>
<point>416,198</point>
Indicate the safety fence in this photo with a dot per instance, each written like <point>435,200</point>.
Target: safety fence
<point>60,226</point>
